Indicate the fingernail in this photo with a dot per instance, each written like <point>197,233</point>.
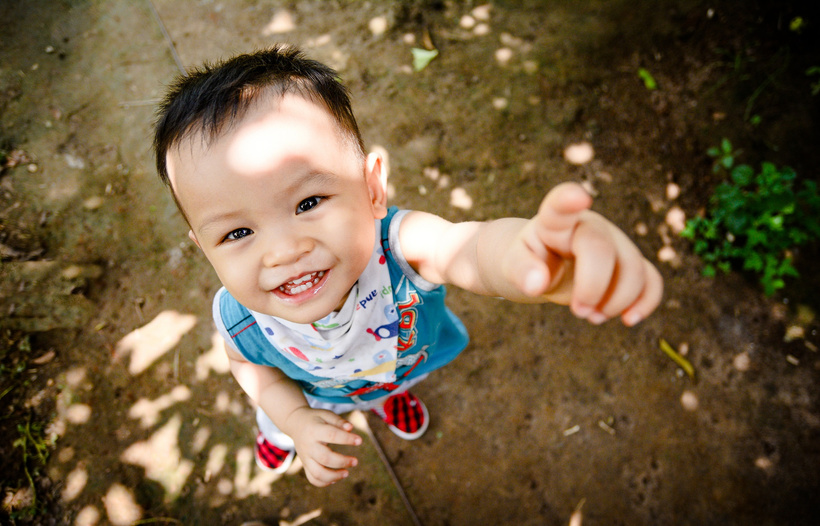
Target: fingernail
<point>582,311</point>
<point>632,318</point>
<point>596,318</point>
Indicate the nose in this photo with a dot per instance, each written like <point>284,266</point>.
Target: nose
<point>285,248</point>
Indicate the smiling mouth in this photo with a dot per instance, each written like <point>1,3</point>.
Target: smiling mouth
<point>301,284</point>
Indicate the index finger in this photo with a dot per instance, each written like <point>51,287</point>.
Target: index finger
<point>559,214</point>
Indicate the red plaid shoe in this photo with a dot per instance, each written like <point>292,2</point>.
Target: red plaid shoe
<point>270,457</point>
<point>405,415</point>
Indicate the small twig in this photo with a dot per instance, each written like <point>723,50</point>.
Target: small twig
<point>366,428</point>
<point>134,103</point>
<point>167,38</point>
<point>302,519</point>
<point>677,358</point>
<point>156,520</point>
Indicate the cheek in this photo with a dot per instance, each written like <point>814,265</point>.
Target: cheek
<point>233,274</point>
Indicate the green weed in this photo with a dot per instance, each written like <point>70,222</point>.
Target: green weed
<point>813,72</point>
<point>35,449</point>
<point>755,220</point>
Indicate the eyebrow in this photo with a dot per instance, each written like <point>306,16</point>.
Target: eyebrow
<point>311,177</point>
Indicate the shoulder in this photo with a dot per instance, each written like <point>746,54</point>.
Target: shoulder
<point>395,243</point>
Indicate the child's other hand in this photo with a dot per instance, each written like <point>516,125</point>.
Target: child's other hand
<point>607,275</point>
<point>312,430</point>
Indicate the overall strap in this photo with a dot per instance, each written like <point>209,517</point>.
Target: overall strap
<point>247,336</point>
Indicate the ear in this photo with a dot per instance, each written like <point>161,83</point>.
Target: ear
<point>376,177</point>
<point>193,238</point>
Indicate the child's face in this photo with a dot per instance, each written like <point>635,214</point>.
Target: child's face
<point>282,207</point>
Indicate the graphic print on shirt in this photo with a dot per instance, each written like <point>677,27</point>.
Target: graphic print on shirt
<point>391,328</point>
<point>408,313</point>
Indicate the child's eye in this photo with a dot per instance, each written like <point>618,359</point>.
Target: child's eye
<point>309,204</point>
<point>239,233</point>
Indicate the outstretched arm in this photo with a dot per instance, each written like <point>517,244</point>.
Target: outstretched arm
<point>565,254</point>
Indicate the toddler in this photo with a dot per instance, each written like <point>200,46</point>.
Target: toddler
<point>331,300</point>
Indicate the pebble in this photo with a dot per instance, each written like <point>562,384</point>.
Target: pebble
<point>672,191</point>
<point>482,12</point>
<point>481,30</point>
<point>579,153</point>
<point>676,219</point>
<point>500,103</point>
<point>667,254</point>
<point>794,332</point>
<point>530,66</point>
<point>460,199</point>
<point>503,55</point>
<point>763,463</point>
<point>378,25</point>
<point>467,22</point>
<point>742,362</point>
<point>93,203</point>
<point>689,401</point>
<point>74,161</point>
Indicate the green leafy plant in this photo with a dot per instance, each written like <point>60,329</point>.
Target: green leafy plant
<point>755,221</point>
<point>813,72</point>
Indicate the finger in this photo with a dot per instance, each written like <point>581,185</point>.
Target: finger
<point>628,282</point>
<point>528,265</point>
<point>333,460</point>
<point>595,269</point>
<point>559,214</point>
<point>340,436</point>
<point>321,476</point>
<point>648,300</point>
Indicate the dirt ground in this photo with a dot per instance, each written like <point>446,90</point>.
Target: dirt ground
<point>109,362</point>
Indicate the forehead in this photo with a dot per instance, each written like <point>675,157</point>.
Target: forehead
<point>274,132</point>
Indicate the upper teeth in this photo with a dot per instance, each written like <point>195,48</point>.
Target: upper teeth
<point>302,284</point>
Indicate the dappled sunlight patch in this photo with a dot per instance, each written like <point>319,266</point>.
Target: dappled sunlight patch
<point>121,506</point>
<point>216,461</point>
<point>148,411</point>
<point>200,439</point>
<point>223,403</point>
<point>321,40</point>
<point>150,342</point>
<point>78,413</point>
<point>161,458</point>
<point>75,482</point>
<point>215,360</point>
<point>282,22</point>
<point>69,411</point>
<point>74,377</point>
<point>243,484</point>
<point>88,516</point>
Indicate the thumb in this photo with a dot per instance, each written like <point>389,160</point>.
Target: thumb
<point>558,215</point>
<point>532,267</point>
